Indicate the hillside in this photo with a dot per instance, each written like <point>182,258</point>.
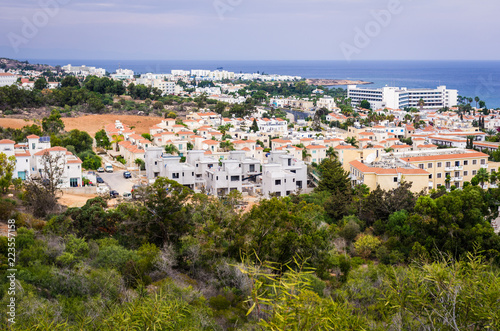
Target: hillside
<point>8,64</point>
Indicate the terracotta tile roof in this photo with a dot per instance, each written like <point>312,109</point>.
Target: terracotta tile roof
<point>210,142</point>
<point>52,149</point>
<point>445,157</point>
<point>344,147</point>
<point>32,136</point>
<point>6,141</point>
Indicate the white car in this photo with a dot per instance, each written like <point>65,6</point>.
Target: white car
<point>127,196</point>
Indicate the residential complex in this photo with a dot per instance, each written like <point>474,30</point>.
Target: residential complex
<point>400,98</point>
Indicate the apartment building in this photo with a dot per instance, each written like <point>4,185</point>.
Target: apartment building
<point>283,175</point>
<point>30,161</point>
<point>7,79</point>
<point>399,98</point>
<point>447,167</point>
<point>389,174</point>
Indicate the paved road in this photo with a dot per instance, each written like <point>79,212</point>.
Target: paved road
<point>116,181</point>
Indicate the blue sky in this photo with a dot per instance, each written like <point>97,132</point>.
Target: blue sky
<point>251,29</point>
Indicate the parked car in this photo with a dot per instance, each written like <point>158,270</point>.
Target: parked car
<point>127,174</point>
<point>100,169</point>
<point>114,194</point>
<point>127,195</point>
<point>99,180</point>
<point>108,167</point>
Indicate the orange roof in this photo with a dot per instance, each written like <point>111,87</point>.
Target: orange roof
<point>386,171</point>
<point>7,141</point>
<point>211,142</point>
<point>315,147</point>
<point>22,154</point>
<point>52,149</point>
<point>445,157</point>
<point>344,147</point>
<point>32,136</point>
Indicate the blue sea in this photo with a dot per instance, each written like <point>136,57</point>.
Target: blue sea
<point>470,78</point>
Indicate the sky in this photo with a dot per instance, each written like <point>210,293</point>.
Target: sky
<point>251,29</point>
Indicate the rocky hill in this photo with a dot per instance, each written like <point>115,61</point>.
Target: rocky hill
<point>7,64</point>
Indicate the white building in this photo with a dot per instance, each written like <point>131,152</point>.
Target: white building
<point>30,160</point>
<point>7,79</point>
<point>283,175</point>
<point>327,102</point>
<point>123,74</point>
<point>84,70</point>
<point>399,98</point>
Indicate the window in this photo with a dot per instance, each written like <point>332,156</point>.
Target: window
<point>448,164</point>
<point>457,163</point>
<point>299,184</point>
<point>252,167</point>
<point>277,182</point>
<point>457,173</point>
<point>429,165</point>
<point>483,161</point>
<point>235,178</point>
<point>466,163</point>
<point>395,179</point>
<point>439,164</point>
<point>474,172</point>
<point>175,175</point>
<point>421,166</point>
<point>430,176</point>
<point>474,162</point>
<point>466,173</point>
<point>73,182</point>
<point>439,175</point>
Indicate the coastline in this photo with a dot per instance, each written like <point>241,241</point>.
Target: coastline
<point>335,82</point>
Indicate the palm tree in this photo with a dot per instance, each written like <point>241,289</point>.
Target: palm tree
<point>139,163</point>
<point>116,140</point>
<point>352,141</point>
<point>421,104</point>
<point>226,146</point>
<point>332,153</point>
<point>171,149</point>
<point>483,176</point>
<point>305,155</point>
<point>388,150</point>
<point>477,100</point>
<point>491,132</point>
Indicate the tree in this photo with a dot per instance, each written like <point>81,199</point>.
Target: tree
<point>102,140</point>
<point>40,84</point>
<point>53,124</point>
<point>171,149</point>
<point>332,153</point>
<point>140,164</point>
<point>158,105</point>
<point>7,166</point>
<point>116,139</point>
<point>226,146</point>
<point>483,176</point>
<point>255,126</point>
<point>421,104</point>
<point>41,193</point>
<point>70,81</point>
<point>477,100</point>
<point>352,141</point>
<point>333,177</point>
<point>365,105</point>
<point>366,244</point>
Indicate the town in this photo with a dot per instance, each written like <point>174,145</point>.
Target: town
<point>381,136</point>
<point>191,196</point>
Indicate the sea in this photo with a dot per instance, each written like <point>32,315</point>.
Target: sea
<point>470,78</point>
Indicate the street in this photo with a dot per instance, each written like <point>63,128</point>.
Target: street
<point>115,181</point>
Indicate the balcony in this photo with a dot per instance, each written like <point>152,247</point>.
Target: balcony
<point>448,169</point>
<point>457,179</point>
<point>484,166</point>
<point>459,168</point>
